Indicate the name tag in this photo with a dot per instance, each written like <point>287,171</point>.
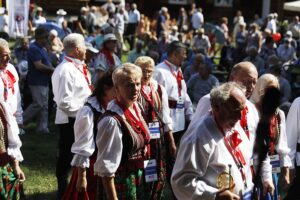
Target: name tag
<point>275,162</point>
<point>180,104</point>
<point>150,170</point>
<point>247,195</point>
<point>154,130</point>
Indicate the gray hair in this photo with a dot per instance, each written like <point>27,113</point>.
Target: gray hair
<point>127,70</point>
<point>3,43</point>
<point>220,95</point>
<point>73,41</point>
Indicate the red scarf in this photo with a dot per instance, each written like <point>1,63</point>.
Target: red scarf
<point>8,80</point>
<point>135,121</point>
<point>109,56</point>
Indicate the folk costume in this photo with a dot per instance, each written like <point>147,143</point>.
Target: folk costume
<point>209,159</point>
<point>85,150</point>
<point>154,101</point>
<point>71,88</point>
<point>10,143</point>
<point>122,142</point>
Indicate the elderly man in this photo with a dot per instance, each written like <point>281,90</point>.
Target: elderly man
<point>71,87</point>
<point>245,74</point>
<point>213,162</point>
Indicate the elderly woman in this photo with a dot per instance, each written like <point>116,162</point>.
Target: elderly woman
<point>122,140</point>
<point>154,101</point>
<point>83,183</point>
<point>10,155</point>
<point>278,149</point>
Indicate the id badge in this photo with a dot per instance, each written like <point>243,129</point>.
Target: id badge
<point>275,162</point>
<point>150,170</point>
<point>154,130</point>
<point>180,104</point>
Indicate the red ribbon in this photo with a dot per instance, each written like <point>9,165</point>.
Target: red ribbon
<point>8,80</point>
<point>178,76</point>
<point>84,72</point>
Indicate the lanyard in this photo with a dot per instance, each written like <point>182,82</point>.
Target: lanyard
<point>178,76</point>
<point>8,80</point>
<point>150,99</point>
<point>84,72</point>
<point>236,154</point>
<point>136,124</point>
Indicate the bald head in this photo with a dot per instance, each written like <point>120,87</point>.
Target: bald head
<point>245,73</point>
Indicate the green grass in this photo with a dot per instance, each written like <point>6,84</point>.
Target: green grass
<point>39,153</point>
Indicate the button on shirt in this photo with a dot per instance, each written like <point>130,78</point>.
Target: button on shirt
<point>70,89</point>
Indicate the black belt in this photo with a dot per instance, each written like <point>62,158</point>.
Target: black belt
<point>298,147</point>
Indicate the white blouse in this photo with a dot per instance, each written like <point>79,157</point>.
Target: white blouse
<point>84,145</point>
<point>14,142</point>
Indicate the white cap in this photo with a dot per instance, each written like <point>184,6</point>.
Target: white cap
<point>61,12</point>
<point>109,37</point>
<point>90,47</point>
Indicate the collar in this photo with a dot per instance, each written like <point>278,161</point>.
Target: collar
<point>174,67</point>
<point>76,61</point>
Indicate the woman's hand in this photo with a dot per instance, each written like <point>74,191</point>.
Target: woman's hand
<point>81,183</point>
<point>18,172</point>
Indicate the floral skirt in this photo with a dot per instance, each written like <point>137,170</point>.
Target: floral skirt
<point>10,186</point>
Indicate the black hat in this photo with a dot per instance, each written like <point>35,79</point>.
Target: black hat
<point>41,32</point>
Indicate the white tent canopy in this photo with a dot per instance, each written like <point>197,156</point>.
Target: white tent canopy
<point>292,6</point>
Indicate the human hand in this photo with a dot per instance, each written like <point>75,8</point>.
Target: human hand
<point>226,194</point>
<point>81,184</point>
<point>284,178</point>
<point>268,187</point>
<point>172,149</point>
<point>19,173</point>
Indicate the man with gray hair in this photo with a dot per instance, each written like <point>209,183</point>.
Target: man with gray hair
<point>71,87</point>
<point>213,161</point>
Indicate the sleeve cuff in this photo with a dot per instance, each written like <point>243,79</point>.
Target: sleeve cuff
<point>15,153</point>
<point>80,161</point>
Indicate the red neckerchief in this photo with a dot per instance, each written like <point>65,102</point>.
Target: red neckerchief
<point>149,99</point>
<point>232,142</point>
<point>244,122</point>
<point>109,56</point>
<point>135,122</point>
<point>178,76</point>
<point>84,72</point>
<point>8,80</point>
<point>274,132</point>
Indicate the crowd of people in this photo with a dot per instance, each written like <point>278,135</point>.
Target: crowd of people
<point>129,129</point>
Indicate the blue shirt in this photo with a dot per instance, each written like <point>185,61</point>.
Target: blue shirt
<point>34,76</point>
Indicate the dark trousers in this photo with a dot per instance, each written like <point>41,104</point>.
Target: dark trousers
<point>170,160</point>
<point>294,191</point>
<point>130,35</point>
<point>63,165</point>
